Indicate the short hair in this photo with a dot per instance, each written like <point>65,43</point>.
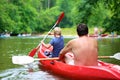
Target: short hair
<point>82,29</point>
<point>57,31</point>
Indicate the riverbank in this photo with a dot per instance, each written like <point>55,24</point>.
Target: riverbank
<point>65,36</point>
<point>74,36</point>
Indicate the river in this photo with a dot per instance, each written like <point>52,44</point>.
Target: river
<point>23,45</point>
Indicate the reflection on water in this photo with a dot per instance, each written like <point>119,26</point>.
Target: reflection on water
<point>22,46</point>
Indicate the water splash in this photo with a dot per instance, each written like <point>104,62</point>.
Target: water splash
<point>23,73</point>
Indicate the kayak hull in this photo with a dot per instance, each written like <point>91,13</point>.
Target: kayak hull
<point>104,71</point>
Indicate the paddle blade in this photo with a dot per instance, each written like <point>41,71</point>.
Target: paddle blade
<point>22,60</point>
<point>117,56</point>
<point>32,53</point>
<point>60,18</point>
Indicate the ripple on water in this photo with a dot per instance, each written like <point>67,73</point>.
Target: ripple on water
<point>22,73</point>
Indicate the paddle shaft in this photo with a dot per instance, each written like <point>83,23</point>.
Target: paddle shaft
<point>104,56</point>
<point>32,53</point>
<point>47,35</point>
<point>57,58</point>
<point>42,59</point>
<point>57,22</point>
<point>28,59</point>
<point>115,56</point>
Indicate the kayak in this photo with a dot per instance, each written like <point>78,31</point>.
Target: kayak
<point>102,35</point>
<point>104,71</point>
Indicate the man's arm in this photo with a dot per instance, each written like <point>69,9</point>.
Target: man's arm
<point>66,49</point>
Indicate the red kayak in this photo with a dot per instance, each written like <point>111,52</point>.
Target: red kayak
<point>104,71</point>
<point>102,35</point>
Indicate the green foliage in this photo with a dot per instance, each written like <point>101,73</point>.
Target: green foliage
<point>82,11</point>
<point>99,13</point>
<point>66,7</point>
<point>69,31</point>
<point>38,16</point>
<point>114,21</point>
<point>72,31</point>
<point>47,18</point>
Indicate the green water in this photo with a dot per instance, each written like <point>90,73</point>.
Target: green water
<point>108,47</point>
<point>23,45</point>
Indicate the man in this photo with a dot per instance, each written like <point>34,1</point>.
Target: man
<point>96,31</point>
<point>84,48</point>
<point>57,42</point>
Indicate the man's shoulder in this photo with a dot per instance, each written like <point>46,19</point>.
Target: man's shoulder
<point>92,39</point>
<point>72,41</point>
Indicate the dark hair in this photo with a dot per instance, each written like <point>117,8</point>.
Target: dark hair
<point>82,29</point>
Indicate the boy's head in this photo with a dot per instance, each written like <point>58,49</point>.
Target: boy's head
<point>57,31</point>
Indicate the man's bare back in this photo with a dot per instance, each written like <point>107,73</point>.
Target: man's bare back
<point>84,48</point>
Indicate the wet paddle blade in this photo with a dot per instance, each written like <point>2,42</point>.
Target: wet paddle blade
<point>22,60</point>
<point>32,53</point>
<point>60,18</point>
<point>117,56</point>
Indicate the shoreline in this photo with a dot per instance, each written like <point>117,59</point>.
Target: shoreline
<point>65,36</point>
<point>69,36</point>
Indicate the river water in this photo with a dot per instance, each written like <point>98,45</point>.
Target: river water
<point>23,45</point>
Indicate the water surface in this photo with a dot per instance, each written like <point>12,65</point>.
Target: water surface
<point>23,45</point>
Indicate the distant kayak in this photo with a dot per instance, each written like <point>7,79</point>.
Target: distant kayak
<point>102,35</point>
<point>104,71</point>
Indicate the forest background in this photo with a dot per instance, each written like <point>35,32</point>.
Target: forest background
<point>37,16</point>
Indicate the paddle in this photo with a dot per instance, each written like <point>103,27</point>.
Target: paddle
<point>32,53</point>
<point>115,56</point>
<point>22,60</point>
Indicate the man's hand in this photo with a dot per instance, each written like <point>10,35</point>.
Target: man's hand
<point>62,58</point>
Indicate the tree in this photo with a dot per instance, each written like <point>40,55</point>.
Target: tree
<point>81,11</point>
<point>99,13</point>
<point>33,16</point>
<point>114,21</point>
